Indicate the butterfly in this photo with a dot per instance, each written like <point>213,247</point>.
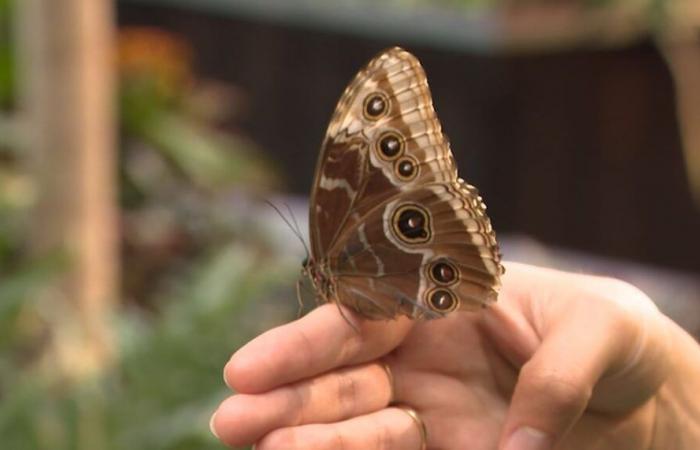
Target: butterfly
<point>393,229</point>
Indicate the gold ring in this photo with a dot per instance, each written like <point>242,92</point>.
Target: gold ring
<point>421,425</point>
<point>390,379</point>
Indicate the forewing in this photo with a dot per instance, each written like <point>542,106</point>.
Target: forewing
<point>359,165</point>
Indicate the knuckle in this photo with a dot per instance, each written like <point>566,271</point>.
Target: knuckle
<point>625,294</point>
<point>569,394</point>
<point>291,439</point>
<point>351,347</point>
<point>305,347</point>
<point>384,438</point>
<point>617,286</point>
<point>298,404</point>
<point>563,390</point>
<point>347,393</point>
<point>337,440</point>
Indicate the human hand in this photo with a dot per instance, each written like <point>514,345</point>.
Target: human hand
<point>562,359</point>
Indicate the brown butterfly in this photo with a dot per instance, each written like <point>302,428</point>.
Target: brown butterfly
<point>393,229</point>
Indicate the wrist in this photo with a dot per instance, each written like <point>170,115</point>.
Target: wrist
<point>677,417</point>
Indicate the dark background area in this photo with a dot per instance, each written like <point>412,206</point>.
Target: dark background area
<point>577,148</point>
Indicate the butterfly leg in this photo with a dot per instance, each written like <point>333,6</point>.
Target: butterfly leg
<point>300,301</point>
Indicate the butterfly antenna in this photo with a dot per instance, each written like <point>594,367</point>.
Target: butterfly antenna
<point>296,232</point>
<point>299,233</point>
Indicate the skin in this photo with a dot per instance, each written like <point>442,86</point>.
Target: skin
<point>563,361</point>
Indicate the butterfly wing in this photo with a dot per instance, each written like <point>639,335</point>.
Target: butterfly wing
<point>349,176</point>
<point>423,253</point>
<point>399,231</point>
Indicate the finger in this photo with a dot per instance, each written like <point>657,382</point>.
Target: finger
<point>388,429</point>
<point>329,398</point>
<point>554,387</point>
<point>320,341</point>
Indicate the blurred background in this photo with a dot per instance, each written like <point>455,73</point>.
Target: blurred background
<point>140,140</point>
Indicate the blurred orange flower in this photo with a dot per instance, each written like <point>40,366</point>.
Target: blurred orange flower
<point>157,55</point>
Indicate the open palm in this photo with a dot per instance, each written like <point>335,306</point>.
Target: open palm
<point>562,359</point>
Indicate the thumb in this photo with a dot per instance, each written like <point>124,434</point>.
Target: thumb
<point>602,345</point>
<point>554,387</point>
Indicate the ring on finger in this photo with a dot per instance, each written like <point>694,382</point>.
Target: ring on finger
<point>390,380</point>
<point>419,422</point>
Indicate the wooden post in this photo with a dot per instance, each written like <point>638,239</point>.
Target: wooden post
<point>67,100</point>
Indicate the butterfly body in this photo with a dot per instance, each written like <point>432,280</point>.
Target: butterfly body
<point>320,277</point>
<point>394,231</point>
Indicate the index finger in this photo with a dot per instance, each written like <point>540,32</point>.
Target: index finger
<point>318,342</point>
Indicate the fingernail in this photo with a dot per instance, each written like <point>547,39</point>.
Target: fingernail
<point>526,438</point>
<point>211,425</point>
<point>225,380</point>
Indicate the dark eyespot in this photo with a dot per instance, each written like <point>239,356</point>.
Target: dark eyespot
<point>305,263</point>
<point>412,224</point>
<point>443,272</point>
<point>442,300</point>
<point>406,168</point>
<point>390,145</point>
<point>376,105</point>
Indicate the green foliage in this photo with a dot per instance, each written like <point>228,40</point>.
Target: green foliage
<point>163,110</point>
<point>6,60</point>
<point>198,153</point>
<point>176,365</point>
<point>168,380</point>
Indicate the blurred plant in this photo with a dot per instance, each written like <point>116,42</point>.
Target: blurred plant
<point>193,262</point>
<point>177,165</point>
<point>168,380</point>
<point>6,69</point>
<point>21,277</point>
<point>163,106</point>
